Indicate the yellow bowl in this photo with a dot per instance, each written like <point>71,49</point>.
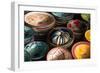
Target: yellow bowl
<point>87,35</point>
<point>81,50</point>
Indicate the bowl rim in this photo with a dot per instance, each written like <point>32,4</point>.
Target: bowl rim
<point>45,13</point>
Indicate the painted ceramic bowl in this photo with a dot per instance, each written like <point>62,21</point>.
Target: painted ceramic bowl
<point>58,53</point>
<point>63,17</point>
<point>87,35</point>
<point>28,35</point>
<point>26,56</point>
<point>40,21</point>
<point>86,17</point>
<point>37,49</point>
<point>60,36</point>
<point>81,50</point>
<point>78,28</point>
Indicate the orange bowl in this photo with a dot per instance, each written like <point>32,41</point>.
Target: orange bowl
<point>87,35</point>
<point>81,50</point>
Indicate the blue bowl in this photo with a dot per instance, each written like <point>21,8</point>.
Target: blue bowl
<point>63,17</point>
<point>28,35</point>
<point>37,49</point>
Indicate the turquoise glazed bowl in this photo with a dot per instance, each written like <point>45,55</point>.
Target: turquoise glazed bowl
<point>63,17</point>
<point>26,56</point>
<point>37,49</point>
<point>28,35</point>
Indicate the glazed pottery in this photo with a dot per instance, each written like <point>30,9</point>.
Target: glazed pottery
<point>40,21</point>
<point>86,17</point>
<point>58,53</point>
<point>87,35</point>
<point>28,35</point>
<point>81,50</point>
<point>37,49</point>
<point>62,18</point>
<point>78,28</point>
<point>60,36</point>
